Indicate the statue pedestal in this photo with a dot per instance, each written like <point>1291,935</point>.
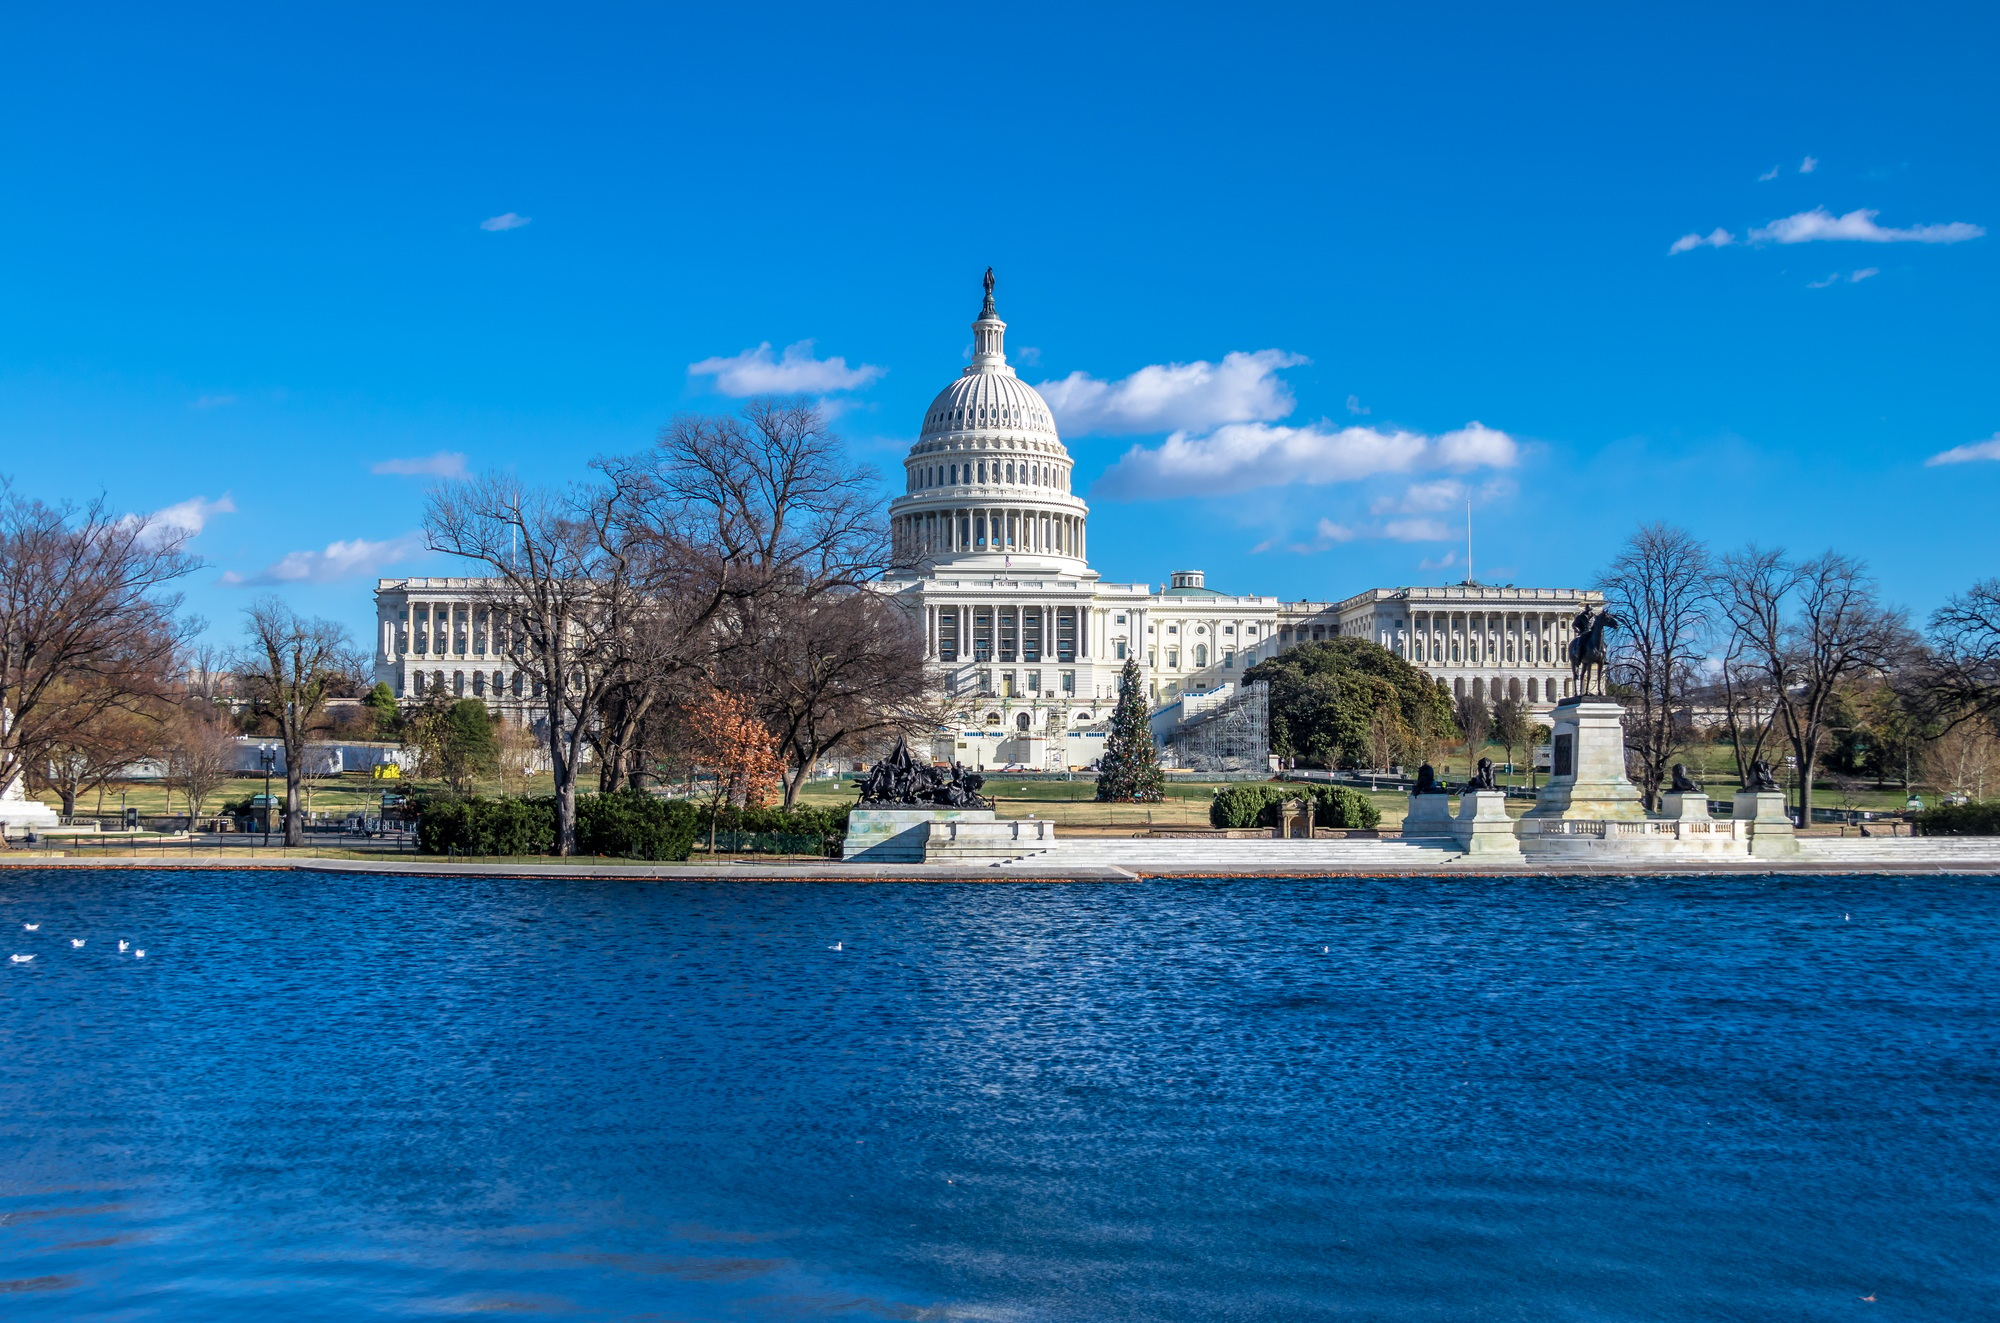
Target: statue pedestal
<point>1685,806</point>
<point>20,815</point>
<point>1588,782</point>
<point>1428,815</point>
<point>1772,835</point>
<point>942,836</point>
<point>1482,826</point>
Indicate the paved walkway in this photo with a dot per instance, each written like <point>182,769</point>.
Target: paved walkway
<point>1126,860</point>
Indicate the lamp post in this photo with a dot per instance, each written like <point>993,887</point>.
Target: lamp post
<point>267,756</point>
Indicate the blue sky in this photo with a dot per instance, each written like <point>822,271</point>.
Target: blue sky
<point>1398,253</point>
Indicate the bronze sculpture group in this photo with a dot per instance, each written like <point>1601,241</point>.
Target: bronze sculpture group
<point>900,781</point>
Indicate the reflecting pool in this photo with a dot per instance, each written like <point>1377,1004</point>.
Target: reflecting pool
<point>339,1097</point>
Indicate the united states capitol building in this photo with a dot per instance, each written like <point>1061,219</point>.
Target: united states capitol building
<point>992,548</point>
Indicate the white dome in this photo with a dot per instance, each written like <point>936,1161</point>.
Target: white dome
<point>985,400</point>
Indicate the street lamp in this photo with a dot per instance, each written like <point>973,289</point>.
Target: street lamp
<point>267,756</point>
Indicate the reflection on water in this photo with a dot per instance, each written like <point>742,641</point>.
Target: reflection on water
<point>340,1097</point>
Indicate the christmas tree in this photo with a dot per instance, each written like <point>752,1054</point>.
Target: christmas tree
<point>1130,770</point>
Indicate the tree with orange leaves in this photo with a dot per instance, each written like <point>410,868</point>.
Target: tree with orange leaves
<point>736,750</point>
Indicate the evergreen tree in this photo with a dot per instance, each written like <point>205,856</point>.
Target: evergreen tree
<point>1130,769</point>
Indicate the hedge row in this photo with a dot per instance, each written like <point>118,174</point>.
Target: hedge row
<point>1256,805</point>
<point>1980,819</point>
<point>627,825</point>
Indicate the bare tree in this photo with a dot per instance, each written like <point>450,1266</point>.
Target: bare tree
<point>1964,759</point>
<point>1961,678</point>
<point>201,754</point>
<point>566,595</point>
<point>86,623</point>
<point>727,529</point>
<point>291,666</point>
<point>841,669</point>
<point>95,750</point>
<point>1661,588</point>
<point>1806,632</point>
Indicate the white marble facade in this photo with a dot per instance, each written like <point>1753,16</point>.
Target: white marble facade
<point>992,547</point>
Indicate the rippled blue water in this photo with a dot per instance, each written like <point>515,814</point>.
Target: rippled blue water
<point>343,1097</point>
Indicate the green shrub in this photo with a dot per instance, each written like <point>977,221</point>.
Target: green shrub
<point>1979,819</point>
<point>826,825</point>
<point>486,826</point>
<point>632,824</point>
<point>1256,805</point>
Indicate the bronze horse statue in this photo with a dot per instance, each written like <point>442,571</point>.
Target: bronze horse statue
<point>1589,654</point>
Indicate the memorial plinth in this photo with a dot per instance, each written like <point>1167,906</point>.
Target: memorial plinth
<point>1768,821</point>
<point>1482,826</point>
<point>942,836</point>
<point>20,815</point>
<point>1588,781</point>
<point>1428,815</point>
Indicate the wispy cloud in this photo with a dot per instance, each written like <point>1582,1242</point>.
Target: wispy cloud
<point>339,560</point>
<point>1833,279</point>
<point>1768,175</point>
<point>760,372</point>
<point>1820,224</point>
<point>1354,406</point>
<point>1858,226</point>
<point>1987,449</point>
<point>1444,562</point>
<point>1419,530</point>
<point>506,220</point>
<point>1810,164</point>
<point>1187,397</point>
<point>1852,278</point>
<point>1719,238</point>
<point>1242,456</point>
<point>1864,273</point>
<point>443,464</point>
<point>213,402</point>
<point>1326,535</point>
<point>189,517</point>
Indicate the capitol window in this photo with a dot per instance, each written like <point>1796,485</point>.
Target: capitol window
<point>1034,684</point>
<point>1201,654</point>
<point>1173,659</point>
<point>1118,620</point>
<point>1118,650</point>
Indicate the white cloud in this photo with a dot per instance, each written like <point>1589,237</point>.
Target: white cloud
<point>1422,498</point>
<point>443,464</point>
<point>1184,397</point>
<point>506,220</point>
<point>1810,164</point>
<point>1354,405</point>
<point>1987,449</point>
<point>189,517</point>
<point>1858,225</point>
<point>340,560</point>
<point>1833,279</point>
<point>1864,273</point>
<point>1026,355</point>
<point>1768,175</point>
<point>1419,530</point>
<point>213,402</point>
<point>1242,456</point>
<point>760,372</point>
<point>1720,238</point>
<point>1444,562</point>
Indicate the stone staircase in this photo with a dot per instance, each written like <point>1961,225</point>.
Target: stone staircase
<point>1967,852</point>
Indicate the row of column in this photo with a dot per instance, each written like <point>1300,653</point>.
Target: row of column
<point>969,529</point>
<point>1021,473</point>
<point>961,617</point>
<point>1473,638</point>
<point>445,624</point>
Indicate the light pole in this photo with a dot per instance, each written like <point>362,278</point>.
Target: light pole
<point>268,756</point>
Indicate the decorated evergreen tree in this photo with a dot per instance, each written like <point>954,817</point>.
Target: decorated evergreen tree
<point>1130,770</point>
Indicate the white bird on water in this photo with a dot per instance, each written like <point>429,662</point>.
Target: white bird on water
<point>836,946</point>
<point>124,945</point>
<point>77,942</point>
<point>32,927</point>
<point>140,953</point>
<point>21,960</point>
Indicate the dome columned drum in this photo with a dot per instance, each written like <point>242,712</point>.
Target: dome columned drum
<point>987,486</point>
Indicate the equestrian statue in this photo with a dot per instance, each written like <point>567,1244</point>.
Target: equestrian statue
<point>1589,654</point>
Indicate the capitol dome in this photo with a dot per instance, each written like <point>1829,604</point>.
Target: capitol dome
<point>988,478</point>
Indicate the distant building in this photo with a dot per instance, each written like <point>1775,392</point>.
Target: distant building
<point>443,635</point>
